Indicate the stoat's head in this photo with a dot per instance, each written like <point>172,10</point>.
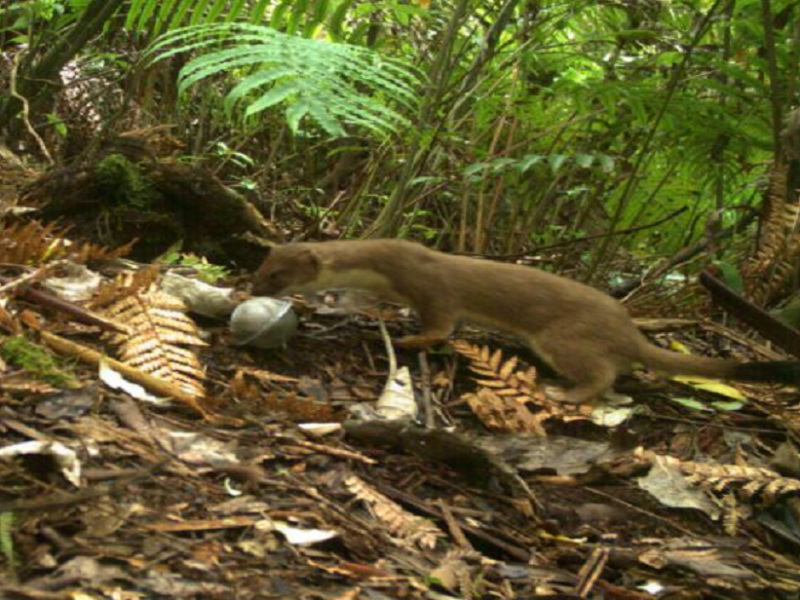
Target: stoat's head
<point>287,269</point>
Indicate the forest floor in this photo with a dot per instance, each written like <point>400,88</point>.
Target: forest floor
<point>277,488</point>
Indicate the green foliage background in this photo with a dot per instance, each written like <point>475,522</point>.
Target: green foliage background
<point>480,126</point>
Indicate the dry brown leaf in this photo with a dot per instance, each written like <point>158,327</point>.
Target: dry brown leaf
<point>295,408</point>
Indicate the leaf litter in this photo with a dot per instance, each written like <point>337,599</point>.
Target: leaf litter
<point>251,489</point>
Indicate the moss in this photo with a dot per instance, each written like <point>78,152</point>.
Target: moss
<point>120,181</point>
<point>37,361</point>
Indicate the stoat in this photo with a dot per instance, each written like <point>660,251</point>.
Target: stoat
<point>585,335</point>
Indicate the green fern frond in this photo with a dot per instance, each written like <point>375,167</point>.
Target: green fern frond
<point>148,11</point>
<point>330,84</point>
<point>257,14</point>
<point>216,10</point>
<point>165,10</point>
<point>158,15</point>
<point>336,20</point>
<point>180,13</point>
<point>198,13</point>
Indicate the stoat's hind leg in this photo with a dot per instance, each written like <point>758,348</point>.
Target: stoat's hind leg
<point>591,371</point>
<point>437,324</point>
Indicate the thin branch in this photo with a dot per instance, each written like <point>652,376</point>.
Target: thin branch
<point>584,239</point>
<point>633,180</point>
<point>26,110</point>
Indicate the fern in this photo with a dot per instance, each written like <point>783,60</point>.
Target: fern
<point>160,15</point>
<point>331,84</point>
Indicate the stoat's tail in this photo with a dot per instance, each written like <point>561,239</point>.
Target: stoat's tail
<point>783,372</point>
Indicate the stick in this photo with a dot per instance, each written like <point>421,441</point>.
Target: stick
<point>93,357</point>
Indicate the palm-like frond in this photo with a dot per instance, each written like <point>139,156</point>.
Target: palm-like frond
<point>330,83</point>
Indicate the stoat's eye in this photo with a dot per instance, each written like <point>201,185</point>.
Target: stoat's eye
<point>274,275</point>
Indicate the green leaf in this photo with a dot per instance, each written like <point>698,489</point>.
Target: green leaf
<point>276,95</point>
<point>255,81</point>
<point>278,18</point>
<point>295,113</point>
<point>711,385</point>
<point>528,161</point>
<point>7,526</point>
<point>199,12</point>
<point>556,161</point>
<point>336,20</point>
<point>691,403</point>
<point>257,14</point>
<point>474,169</point>
<point>606,162</point>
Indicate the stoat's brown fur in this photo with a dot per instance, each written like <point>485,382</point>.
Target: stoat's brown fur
<point>585,335</point>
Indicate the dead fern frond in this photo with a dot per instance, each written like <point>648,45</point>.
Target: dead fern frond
<point>769,273</point>
<point>457,571</point>
<point>748,483</point>
<point>501,376</point>
<point>732,516</point>
<point>124,285</point>
<point>34,243</point>
<point>508,399</point>
<point>402,524</point>
<point>159,331</point>
<point>505,415</point>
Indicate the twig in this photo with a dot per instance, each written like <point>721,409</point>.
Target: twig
<point>582,239</point>
<point>711,237</point>
<point>516,550</point>
<point>389,350</point>
<point>78,313</point>
<point>93,357</point>
<point>12,84</point>
<point>59,500</point>
<point>22,279</point>
<point>337,452</point>
<point>427,407</point>
<point>652,515</point>
<point>454,527</point>
<point>590,572</point>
